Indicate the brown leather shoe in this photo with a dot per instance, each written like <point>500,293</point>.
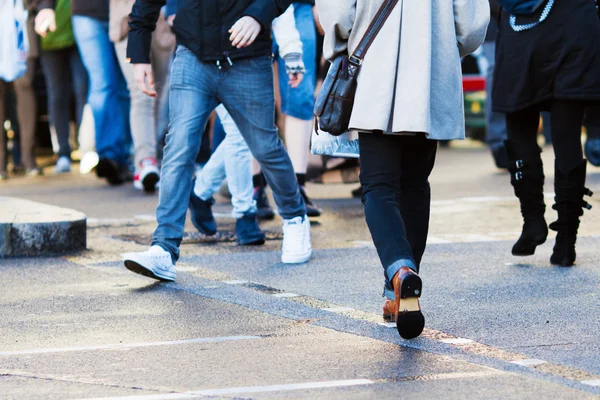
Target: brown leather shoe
<point>389,311</point>
<point>406,308</point>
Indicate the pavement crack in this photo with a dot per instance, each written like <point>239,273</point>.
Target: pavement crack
<point>543,345</point>
<point>51,378</point>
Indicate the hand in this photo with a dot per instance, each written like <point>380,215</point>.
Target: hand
<point>294,68</point>
<point>45,21</point>
<point>170,20</point>
<point>244,32</point>
<point>144,78</point>
<point>295,80</point>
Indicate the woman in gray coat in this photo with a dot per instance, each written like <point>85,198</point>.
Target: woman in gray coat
<point>409,96</point>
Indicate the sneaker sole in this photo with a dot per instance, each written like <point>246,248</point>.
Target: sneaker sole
<point>297,259</point>
<point>252,242</point>
<point>313,212</point>
<point>149,182</point>
<point>140,269</point>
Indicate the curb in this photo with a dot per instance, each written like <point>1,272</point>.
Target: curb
<point>31,229</point>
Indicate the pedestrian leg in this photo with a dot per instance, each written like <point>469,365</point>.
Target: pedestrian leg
<point>105,96</point>
<point>3,138</point>
<point>569,178</point>
<point>527,178</point>
<point>417,161</point>
<point>27,114</point>
<point>592,142</point>
<point>495,122</point>
<point>247,93</point>
<point>192,101</point>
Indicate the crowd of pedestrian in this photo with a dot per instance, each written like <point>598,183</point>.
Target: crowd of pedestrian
<point>191,67</point>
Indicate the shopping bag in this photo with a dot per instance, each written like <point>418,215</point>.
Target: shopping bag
<point>324,144</point>
<point>14,43</point>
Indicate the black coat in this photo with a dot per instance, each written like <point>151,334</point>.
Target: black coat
<point>202,26</point>
<point>492,32</point>
<point>557,60</point>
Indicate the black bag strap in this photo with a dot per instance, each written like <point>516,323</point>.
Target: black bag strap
<point>382,15</point>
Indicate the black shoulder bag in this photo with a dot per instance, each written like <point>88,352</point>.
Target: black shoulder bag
<point>333,107</point>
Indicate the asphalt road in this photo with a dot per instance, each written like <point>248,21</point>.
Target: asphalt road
<point>239,324</point>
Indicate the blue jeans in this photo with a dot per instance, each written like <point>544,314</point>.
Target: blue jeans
<point>231,160</point>
<point>246,91</point>
<point>108,96</point>
<point>299,102</point>
<point>394,175</point>
<point>496,122</point>
<point>218,134</point>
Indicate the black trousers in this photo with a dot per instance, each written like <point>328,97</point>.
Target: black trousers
<point>592,122</point>
<point>566,120</point>
<point>27,117</point>
<point>65,75</point>
<point>394,174</point>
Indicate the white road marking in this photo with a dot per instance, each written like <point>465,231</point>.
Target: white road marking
<point>457,341</point>
<point>338,309</point>
<point>222,215</point>
<point>362,243</point>
<point>463,375</point>
<point>250,389</point>
<point>487,199</point>
<point>468,237</point>
<point>286,295</point>
<point>595,382</point>
<point>129,345</point>
<point>436,240</point>
<point>146,217</point>
<point>109,221</point>
<point>235,282</point>
<point>529,363</point>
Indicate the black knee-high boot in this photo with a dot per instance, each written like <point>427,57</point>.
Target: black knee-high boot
<point>570,190</point>
<point>527,177</point>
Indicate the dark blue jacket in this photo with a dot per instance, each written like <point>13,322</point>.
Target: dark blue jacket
<point>202,26</point>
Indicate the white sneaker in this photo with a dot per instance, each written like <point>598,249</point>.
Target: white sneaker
<point>296,248</point>
<point>149,174</point>
<point>155,263</point>
<point>88,162</point>
<point>63,165</point>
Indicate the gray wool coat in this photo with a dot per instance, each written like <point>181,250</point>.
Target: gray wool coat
<point>410,80</point>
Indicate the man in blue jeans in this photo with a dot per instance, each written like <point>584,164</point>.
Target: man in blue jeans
<point>223,57</point>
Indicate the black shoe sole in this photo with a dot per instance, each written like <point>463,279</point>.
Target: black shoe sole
<point>563,260</point>
<point>138,269</point>
<point>149,182</point>
<point>412,286</point>
<point>265,215</point>
<point>410,324</point>
<point>108,170</point>
<point>529,249</point>
<point>252,242</point>
<point>312,212</point>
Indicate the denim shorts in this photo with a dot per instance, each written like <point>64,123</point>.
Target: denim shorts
<point>299,102</point>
